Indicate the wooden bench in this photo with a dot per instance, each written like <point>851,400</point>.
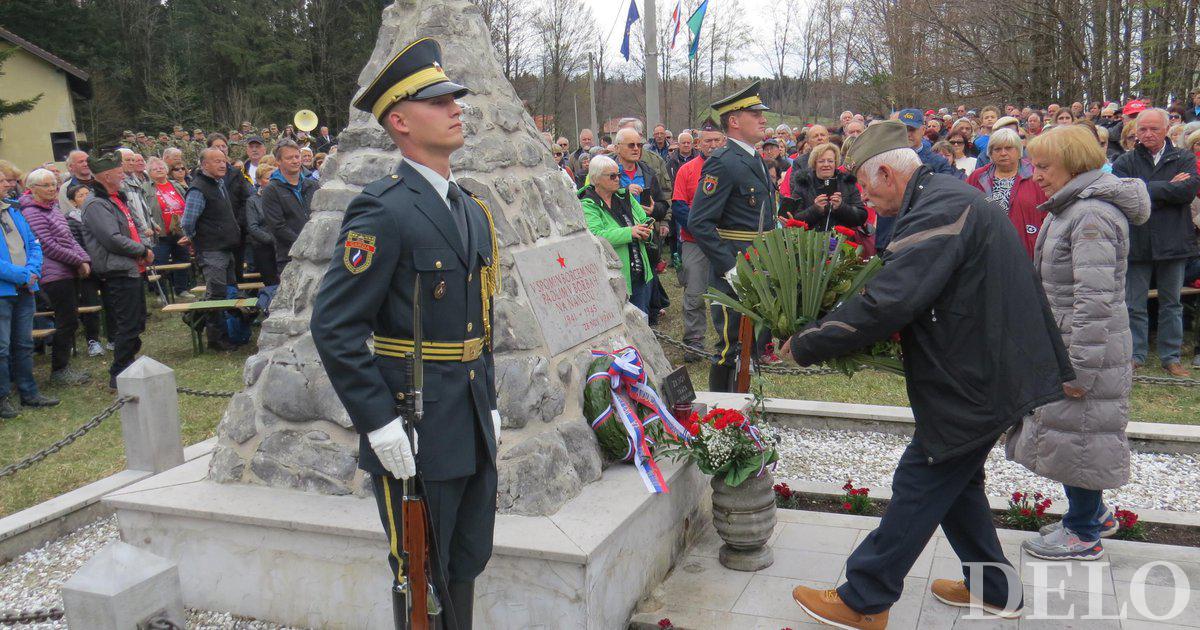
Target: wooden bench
<point>243,286</point>
<point>170,267</point>
<point>42,333</point>
<point>1185,291</point>
<point>194,315</point>
<point>253,275</point>
<point>83,310</point>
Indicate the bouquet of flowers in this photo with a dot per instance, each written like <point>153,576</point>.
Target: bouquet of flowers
<point>626,413</point>
<point>725,443</point>
<point>794,276</point>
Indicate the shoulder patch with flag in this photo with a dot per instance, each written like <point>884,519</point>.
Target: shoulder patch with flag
<point>359,251</point>
<point>709,184</point>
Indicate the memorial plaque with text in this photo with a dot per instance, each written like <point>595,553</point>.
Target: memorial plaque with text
<point>567,286</point>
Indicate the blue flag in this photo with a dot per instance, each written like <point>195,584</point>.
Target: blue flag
<point>694,23</point>
<point>629,20</point>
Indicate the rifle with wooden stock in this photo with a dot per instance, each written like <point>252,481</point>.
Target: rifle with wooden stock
<point>415,585</point>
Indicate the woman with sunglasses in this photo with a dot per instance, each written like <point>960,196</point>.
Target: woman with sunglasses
<point>959,142</point>
<point>615,215</point>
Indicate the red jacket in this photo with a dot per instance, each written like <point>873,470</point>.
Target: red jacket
<point>1023,201</point>
<point>686,180</point>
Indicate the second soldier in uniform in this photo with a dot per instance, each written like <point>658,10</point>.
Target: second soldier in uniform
<point>419,221</point>
<point>734,202</point>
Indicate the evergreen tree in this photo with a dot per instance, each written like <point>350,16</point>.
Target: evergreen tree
<point>12,108</point>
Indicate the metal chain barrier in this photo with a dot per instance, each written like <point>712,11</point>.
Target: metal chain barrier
<point>22,617</point>
<point>204,393</point>
<point>820,371</point>
<point>71,437</point>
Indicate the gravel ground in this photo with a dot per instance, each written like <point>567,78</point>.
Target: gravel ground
<point>870,458</point>
<point>32,580</point>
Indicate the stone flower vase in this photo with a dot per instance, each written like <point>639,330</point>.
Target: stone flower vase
<point>744,517</point>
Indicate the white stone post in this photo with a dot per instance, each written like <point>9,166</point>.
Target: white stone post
<point>150,422</point>
<point>122,588</point>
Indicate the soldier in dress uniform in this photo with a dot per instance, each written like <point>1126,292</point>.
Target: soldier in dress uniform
<point>418,221</point>
<point>734,201</point>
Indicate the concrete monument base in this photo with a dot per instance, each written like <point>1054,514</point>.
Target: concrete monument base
<point>318,561</point>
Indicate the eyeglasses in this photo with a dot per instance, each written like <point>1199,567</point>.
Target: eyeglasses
<point>956,142</point>
<point>558,154</point>
<point>631,145</point>
<point>1176,117</point>
<point>612,176</point>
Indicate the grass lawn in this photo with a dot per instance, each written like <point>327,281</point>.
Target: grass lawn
<point>101,452</point>
<point>1151,403</point>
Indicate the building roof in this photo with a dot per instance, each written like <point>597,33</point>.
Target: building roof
<point>77,78</point>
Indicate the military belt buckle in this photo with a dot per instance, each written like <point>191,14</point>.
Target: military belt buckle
<point>472,349</point>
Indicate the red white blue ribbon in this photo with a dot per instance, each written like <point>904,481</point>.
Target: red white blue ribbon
<point>627,380</point>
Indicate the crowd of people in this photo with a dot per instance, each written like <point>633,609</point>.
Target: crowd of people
<point>987,148</point>
<point>1026,248</point>
<point>224,204</point>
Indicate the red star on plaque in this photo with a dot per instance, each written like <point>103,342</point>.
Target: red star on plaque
<point>562,262</point>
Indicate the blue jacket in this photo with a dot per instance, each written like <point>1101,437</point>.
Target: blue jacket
<point>12,276</point>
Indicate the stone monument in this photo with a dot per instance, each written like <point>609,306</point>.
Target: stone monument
<point>562,294</point>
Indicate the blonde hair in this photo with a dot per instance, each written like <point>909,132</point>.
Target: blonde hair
<point>1072,146</point>
<point>11,170</point>
<point>1128,139</point>
<point>263,173</point>
<point>1192,139</point>
<point>822,149</point>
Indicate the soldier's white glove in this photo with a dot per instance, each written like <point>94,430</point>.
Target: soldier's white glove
<point>496,424</point>
<point>390,443</point>
<point>731,278</point>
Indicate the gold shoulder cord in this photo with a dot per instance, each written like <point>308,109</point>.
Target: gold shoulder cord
<point>489,276</point>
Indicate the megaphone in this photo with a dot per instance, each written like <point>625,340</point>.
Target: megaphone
<point>305,120</point>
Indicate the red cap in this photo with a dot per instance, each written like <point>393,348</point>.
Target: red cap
<point>929,112</point>
<point>1134,107</point>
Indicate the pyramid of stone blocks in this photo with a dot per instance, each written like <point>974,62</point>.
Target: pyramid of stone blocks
<point>287,428</point>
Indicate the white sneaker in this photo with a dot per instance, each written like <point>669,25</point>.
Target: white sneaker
<point>108,346</point>
<point>95,349</point>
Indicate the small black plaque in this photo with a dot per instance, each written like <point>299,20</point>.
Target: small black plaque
<point>677,387</point>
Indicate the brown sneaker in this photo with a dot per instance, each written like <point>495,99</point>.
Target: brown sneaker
<point>827,607</point>
<point>1178,371</point>
<point>956,593</point>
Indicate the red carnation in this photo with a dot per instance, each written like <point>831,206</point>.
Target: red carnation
<point>848,486</point>
<point>895,337</point>
<point>1026,512</point>
<point>846,506</point>
<point>694,428</point>
<point>795,223</point>
<point>844,231</point>
<point>1017,497</point>
<point>665,623</point>
<point>747,255</point>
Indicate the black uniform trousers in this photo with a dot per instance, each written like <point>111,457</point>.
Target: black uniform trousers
<point>462,514</point>
<point>125,305</point>
<point>924,495</point>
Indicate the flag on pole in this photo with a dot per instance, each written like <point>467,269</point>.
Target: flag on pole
<point>694,23</point>
<point>629,20</point>
<point>676,22</point>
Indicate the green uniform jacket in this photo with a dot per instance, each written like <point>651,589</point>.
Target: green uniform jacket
<point>603,223</point>
<point>398,227</point>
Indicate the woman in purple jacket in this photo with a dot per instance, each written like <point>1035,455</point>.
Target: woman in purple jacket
<point>64,262</point>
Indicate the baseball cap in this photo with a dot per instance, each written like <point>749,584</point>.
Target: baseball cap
<point>912,117</point>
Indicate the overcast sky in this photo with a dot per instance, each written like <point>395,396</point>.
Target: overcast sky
<point>612,12</point>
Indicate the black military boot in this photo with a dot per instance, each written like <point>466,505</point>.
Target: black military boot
<point>461,605</point>
<point>720,378</point>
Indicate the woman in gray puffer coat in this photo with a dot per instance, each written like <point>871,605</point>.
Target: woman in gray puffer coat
<point>1081,259</point>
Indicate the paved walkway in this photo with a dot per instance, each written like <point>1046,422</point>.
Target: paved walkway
<point>811,549</point>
